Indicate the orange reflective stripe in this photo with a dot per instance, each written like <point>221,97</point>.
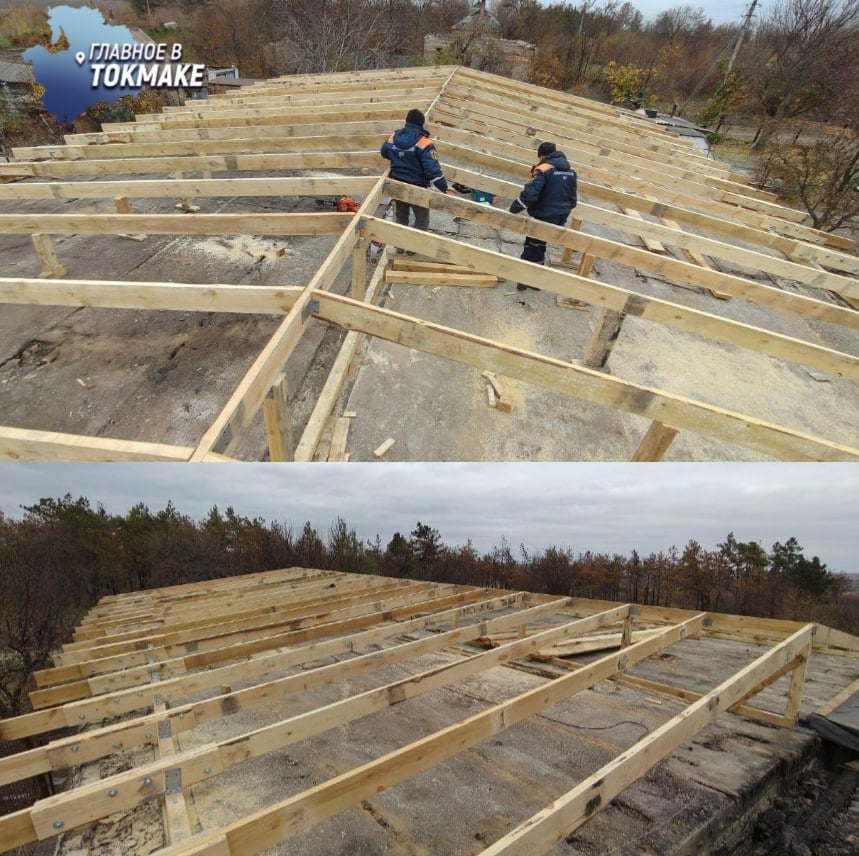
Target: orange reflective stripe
<point>391,139</point>
<point>423,142</point>
<point>542,167</point>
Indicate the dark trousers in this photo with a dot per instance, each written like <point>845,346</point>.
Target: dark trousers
<point>401,213</point>
<point>535,249</point>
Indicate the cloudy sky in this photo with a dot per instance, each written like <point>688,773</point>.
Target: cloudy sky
<point>601,507</point>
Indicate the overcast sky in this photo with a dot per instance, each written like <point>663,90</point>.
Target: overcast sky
<point>600,507</point>
<point>718,11</point>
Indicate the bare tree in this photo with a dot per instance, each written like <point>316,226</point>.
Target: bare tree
<point>805,54</point>
<point>340,35</point>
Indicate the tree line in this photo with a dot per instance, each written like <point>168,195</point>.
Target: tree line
<point>62,555</point>
<point>793,75</point>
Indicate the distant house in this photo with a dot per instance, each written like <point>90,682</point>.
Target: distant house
<point>476,41</point>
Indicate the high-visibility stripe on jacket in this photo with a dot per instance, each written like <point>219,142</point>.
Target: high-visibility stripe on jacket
<point>551,192</point>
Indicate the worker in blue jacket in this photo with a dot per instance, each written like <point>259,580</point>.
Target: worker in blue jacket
<point>414,160</point>
<point>549,196</point>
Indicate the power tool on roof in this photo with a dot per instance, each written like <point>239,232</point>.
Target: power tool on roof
<point>343,204</point>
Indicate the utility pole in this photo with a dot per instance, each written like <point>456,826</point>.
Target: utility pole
<point>747,25</point>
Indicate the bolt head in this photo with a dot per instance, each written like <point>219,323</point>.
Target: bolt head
<point>112,792</point>
<point>58,824</point>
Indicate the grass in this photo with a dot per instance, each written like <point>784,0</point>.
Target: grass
<point>735,151</point>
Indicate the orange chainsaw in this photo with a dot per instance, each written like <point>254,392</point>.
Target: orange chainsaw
<point>343,204</point>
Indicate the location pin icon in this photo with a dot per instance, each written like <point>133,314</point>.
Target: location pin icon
<point>80,56</point>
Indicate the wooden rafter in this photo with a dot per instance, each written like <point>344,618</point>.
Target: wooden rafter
<point>487,129</point>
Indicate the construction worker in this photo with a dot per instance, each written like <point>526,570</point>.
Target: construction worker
<point>549,196</point>
<point>414,160</point>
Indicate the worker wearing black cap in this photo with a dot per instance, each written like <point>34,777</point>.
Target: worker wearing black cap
<point>414,160</point>
<point>550,195</point>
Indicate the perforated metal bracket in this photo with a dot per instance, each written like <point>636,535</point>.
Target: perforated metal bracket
<point>165,729</point>
<point>309,308</point>
<point>191,647</point>
<point>173,781</point>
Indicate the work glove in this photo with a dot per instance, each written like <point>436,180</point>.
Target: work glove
<point>516,207</point>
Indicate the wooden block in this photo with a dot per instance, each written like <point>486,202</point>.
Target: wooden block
<point>497,399</point>
<point>380,452</point>
<point>490,395</point>
<point>655,442</point>
<point>653,246</point>
<point>494,382</point>
<point>571,303</point>
<point>350,414</point>
<point>586,265</point>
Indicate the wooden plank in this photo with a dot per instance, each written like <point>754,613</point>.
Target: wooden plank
<point>836,701</point>
<point>471,280</point>
<point>41,225</point>
<point>23,444</point>
<point>241,143</point>
<point>688,695</point>
<point>219,163</point>
<point>383,449</point>
<point>213,187</point>
<point>567,813</point>
<point>655,442</point>
<point>338,442</point>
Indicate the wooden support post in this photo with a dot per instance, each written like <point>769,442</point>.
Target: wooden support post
<point>567,255</point>
<point>51,266</point>
<point>123,206</point>
<point>359,269</point>
<point>278,422</point>
<point>185,203</point>
<point>626,636</point>
<point>655,442</point>
<point>607,324</point>
<point>586,264</point>
<point>177,825</point>
<point>797,683</point>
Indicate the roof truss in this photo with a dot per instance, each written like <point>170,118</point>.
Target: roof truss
<point>149,658</point>
<point>486,128</point>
